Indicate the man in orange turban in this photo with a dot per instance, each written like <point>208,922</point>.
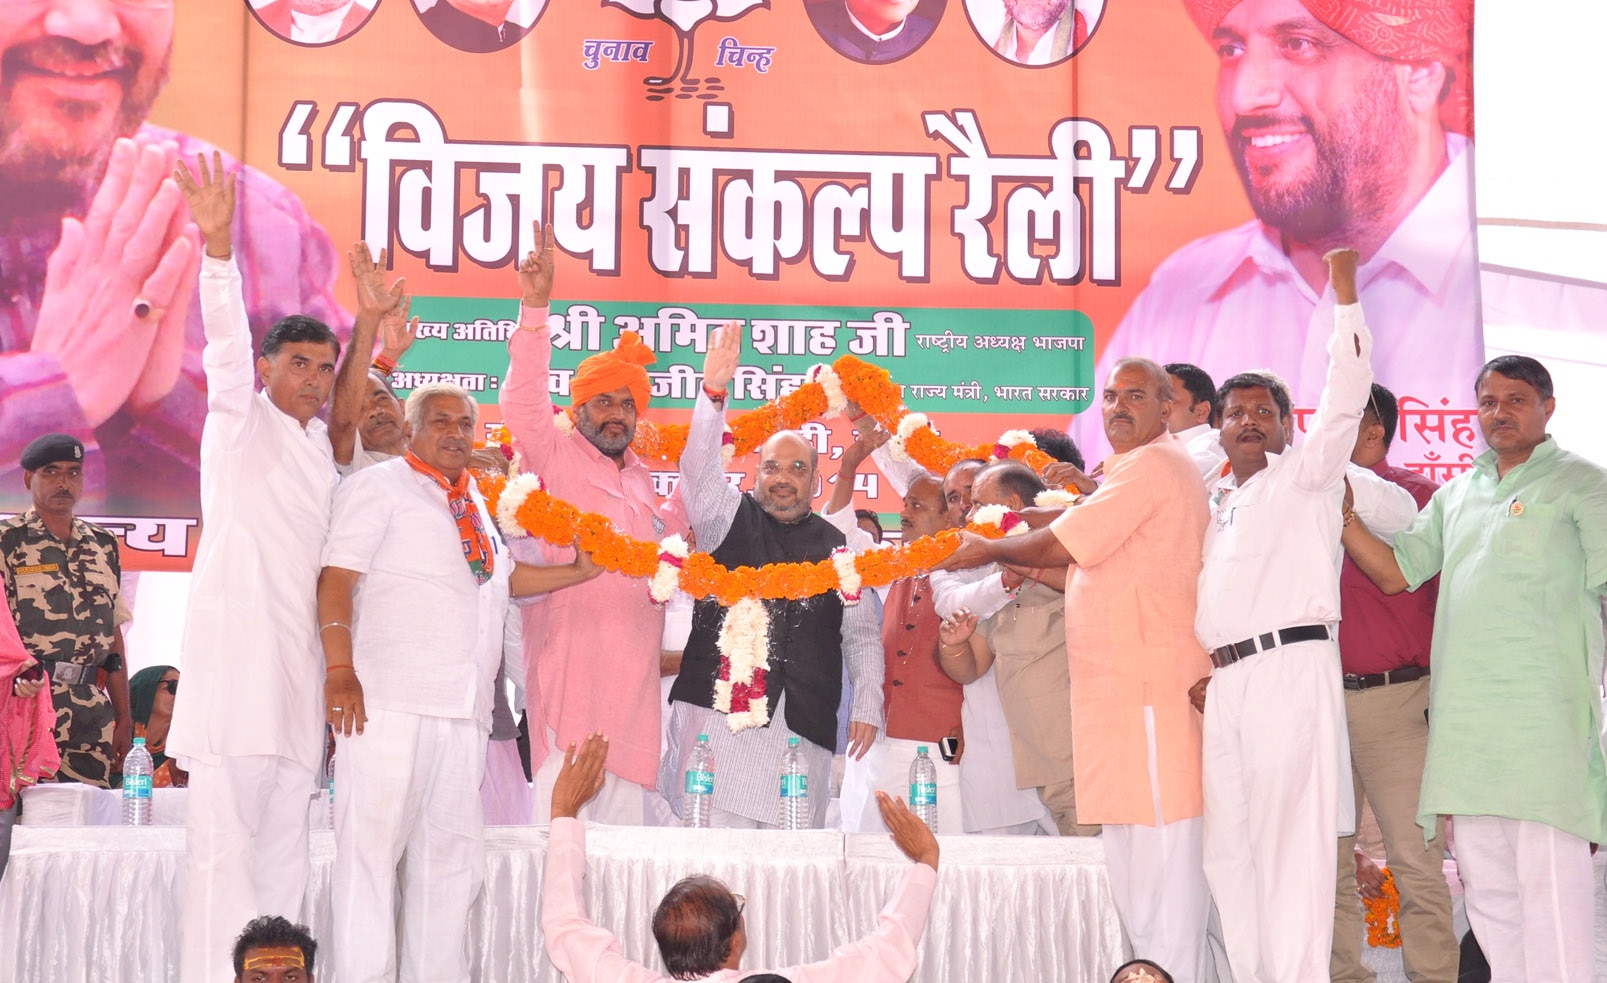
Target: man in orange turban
<point>607,392</point>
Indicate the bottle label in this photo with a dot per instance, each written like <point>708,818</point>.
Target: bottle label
<point>923,793</point>
<point>794,786</point>
<point>700,783</point>
<point>136,786</point>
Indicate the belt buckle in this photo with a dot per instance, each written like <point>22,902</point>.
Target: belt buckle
<point>69,672</point>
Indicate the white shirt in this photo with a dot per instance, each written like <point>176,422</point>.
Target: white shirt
<point>317,28</point>
<point>253,668</point>
<point>1272,553</point>
<point>1228,302</point>
<point>362,457</point>
<point>426,638</point>
<point>1204,444</point>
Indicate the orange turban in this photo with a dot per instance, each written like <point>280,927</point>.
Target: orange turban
<point>622,368</point>
<point>1400,30</point>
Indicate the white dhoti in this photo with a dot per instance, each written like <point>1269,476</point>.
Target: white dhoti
<point>1157,879</point>
<point>246,854</point>
<point>409,784</point>
<point>886,768</point>
<point>1275,752</point>
<point>1531,898</point>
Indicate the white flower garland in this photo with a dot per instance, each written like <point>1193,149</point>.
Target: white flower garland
<point>836,399</point>
<point>562,420</point>
<point>672,552</point>
<point>1056,498</point>
<point>1011,439</point>
<point>906,429</point>
<point>1001,518</point>
<point>745,646</point>
<point>849,585</point>
<point>728,446</point>
<point>513,498</point>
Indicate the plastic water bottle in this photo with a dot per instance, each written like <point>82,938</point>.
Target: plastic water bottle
<point>698,798</point>
<point>137,785</point>
<point>923,788</point>
<point>794,788</point>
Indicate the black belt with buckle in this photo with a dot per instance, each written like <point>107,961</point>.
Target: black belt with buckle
<point>1229,654</point>
<point>1405,674</point>
<point>73,673</point>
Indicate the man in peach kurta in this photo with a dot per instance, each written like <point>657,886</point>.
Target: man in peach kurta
<point>591,651</point>
<point>1134,552</point>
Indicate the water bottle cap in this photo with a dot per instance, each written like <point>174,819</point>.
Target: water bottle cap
<point>792,742</point>
<point>702,738</point>
<point>139,742</point>
<point>920,749</point>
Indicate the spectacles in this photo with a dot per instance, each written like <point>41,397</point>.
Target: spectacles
<point>171,685</point>
<point>773,468</point>
<point>742,904</point>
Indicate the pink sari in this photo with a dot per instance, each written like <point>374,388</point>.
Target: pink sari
<point>27,727</point>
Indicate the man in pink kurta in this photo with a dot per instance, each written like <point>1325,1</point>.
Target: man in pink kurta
<point>591,651</point>
<point>1134,548</point>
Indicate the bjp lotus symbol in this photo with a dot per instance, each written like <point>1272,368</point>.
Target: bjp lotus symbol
<point>685,16</point>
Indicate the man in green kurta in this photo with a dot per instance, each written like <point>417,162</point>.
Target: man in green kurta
<point>1514,748</point>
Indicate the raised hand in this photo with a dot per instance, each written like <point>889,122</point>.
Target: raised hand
<point>870,437</point>
<point>910,834</point>
<point>211,201</point>
<point>1342,274</point>
<point>373,297</point>
<point>118,286</point>
<point>396,332</point>
<point>580,778</point>
<point>535,271</point>
<point>725,354</point>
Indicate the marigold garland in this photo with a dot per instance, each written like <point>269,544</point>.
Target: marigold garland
<point>1383,915</point>
<point>854,379</point>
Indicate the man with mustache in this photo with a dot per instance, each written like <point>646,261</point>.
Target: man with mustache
<point>1514,741</point>
<point>312,21</point>
<point>1347,123</point>
<point>809,640</point>
<point>591,653</point>
<point>248,725</point>
<point>412,599</point>
<point>98,332</point>
<point>61,575</point>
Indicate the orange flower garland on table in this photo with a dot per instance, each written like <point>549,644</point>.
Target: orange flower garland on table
<point>1383,915</point>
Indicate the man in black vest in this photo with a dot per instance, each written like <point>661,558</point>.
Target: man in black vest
<point>796,649</point>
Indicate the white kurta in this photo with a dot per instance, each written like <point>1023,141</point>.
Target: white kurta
<point>249,723</point>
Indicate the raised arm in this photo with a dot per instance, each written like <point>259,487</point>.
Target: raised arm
<point>526,405</point>
<point>375,302</point>
<point>711,502</point>
<point>529,578</point>
<point>962,653</point>
<point>227,358</point>
<point>1321,462</point>
<point>1386,507</point>
<point>1038,548</point>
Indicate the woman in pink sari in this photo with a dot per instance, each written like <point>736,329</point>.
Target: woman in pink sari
<point>27,728</point>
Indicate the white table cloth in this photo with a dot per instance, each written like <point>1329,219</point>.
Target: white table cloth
<point>85,903</point>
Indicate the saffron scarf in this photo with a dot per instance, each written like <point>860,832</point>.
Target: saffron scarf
<point>471,532</point>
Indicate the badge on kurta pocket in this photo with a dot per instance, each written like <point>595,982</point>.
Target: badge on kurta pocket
<point>1515,509</point>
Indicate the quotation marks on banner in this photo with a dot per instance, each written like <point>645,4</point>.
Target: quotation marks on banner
<point>685,16</point>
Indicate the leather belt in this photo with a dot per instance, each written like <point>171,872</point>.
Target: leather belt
<point>1404,674</point>
<point>73,673</point>
<point>1229,654</point>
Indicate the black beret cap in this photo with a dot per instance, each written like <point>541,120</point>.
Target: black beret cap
<point>50,448</point>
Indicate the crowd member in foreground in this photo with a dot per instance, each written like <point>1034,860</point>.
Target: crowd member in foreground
<point>272,950</point>
<point>699,925</point>
<point>1514,742</point>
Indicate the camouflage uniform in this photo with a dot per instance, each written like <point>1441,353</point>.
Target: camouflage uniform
<point>67,604</point>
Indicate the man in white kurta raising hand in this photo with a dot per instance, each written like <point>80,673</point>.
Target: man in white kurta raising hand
<point>249,725</point>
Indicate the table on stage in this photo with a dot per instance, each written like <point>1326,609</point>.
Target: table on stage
<point>102,903</point>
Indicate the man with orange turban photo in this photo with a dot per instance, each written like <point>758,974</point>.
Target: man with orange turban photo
<point>591,651</point>
<point>1348,123</point>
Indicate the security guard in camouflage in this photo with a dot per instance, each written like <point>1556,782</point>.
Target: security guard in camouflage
<point>61,576</point>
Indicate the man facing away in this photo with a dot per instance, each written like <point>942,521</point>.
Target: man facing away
<point>699,926</point>
<point>1514,742</point>
<point>248,726</point>
<point>809,641</point>
<point>1133,547</point>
